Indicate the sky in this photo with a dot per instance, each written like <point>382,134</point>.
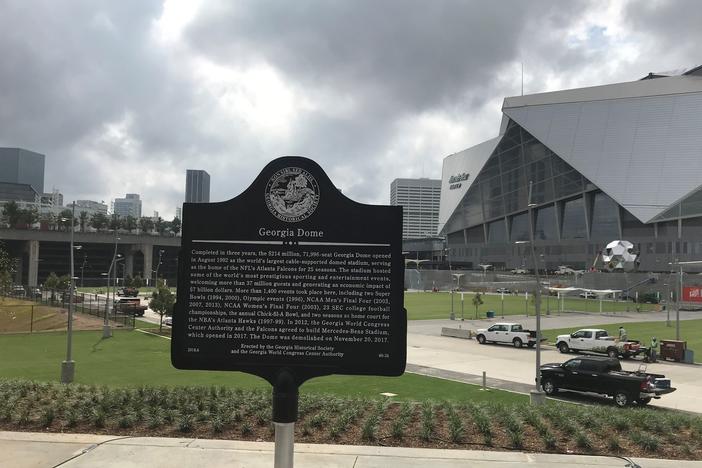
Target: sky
<point>124,96</point>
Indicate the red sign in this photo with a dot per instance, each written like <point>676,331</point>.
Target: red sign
<point>692,294</point>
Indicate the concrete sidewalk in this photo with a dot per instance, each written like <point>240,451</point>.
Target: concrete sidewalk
<point>39,450</point>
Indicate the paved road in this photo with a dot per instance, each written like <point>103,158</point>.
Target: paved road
<point>427,349</point>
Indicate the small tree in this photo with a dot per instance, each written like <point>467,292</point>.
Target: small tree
<point>51,283</point>
<point>83,219</point>
<point>138,282</point>
<point>175,225</point>
<point>115,222</point>
<point>129,223</point>
<point>477,302</point>
<point>6,270</point>
<point>162,301</point>
<point>160,225</point>
<point>64,219</point>
<point>99,221</point>
<point>145,225</point>
<point>29,217</point>
<point>11,213</point>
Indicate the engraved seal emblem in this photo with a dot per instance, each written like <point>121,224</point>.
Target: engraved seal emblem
<point>292,194</point>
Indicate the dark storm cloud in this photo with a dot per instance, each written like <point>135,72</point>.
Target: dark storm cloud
<point>673,26</point>
<point>407,55</point>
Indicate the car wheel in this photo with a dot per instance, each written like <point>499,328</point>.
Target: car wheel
<point>644,401</point>
<point>621,399</point>
<point>517,343</point>
<point>481,339</point>
<point>531,345</point>
<point>563,348</point>
<point>549,387</point>
<point>613,353</point>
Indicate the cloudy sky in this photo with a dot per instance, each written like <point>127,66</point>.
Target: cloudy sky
<point>124,96</point>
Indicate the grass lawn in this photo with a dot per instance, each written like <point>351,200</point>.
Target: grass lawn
<point>131,358</point>
<point>430,305</point>
<point>690,331</point>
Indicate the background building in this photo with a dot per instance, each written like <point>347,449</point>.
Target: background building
<point>610,162</point>
<point>20,166</point>
<point>419,199</point>
<point>128,206</point>
<point>197,186</point>
<point>91,207</point>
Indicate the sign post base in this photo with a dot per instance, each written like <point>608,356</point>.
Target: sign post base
<point>284,444</point>
<point>285,401</point>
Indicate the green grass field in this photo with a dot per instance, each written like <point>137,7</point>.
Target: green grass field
<point>690,331</point>
<point>430,305</point>
<point>132,358</point>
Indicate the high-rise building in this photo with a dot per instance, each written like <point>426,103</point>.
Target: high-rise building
<point>21,166</point>
<point>197,186</point>
<point>179,213</point>
<point>419,199</point>
<point>128,206</point>
<point>52,199</point>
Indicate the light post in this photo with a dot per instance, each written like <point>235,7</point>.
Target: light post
<point>82,268</point>
<point>68,367</point>
<point>537,396</point>
<point>106,332</point>
<point>548,284</point>
<point>458,282</point>
<point>160,254</point>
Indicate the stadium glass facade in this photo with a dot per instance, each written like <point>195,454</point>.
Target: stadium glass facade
<point>573,218</point>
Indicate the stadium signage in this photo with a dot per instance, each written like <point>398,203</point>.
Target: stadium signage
<point>455,180</point>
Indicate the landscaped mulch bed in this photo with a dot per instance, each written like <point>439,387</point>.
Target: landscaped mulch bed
<point>233,414</point>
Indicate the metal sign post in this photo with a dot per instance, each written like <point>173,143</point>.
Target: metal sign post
<point>287,282</point>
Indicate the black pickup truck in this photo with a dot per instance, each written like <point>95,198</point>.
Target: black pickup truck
<point>605,376</point>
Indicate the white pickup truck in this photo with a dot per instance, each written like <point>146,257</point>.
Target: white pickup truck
<point>512,333</point>
<point>597,340</point>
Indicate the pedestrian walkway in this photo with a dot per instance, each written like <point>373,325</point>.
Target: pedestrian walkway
<point>40,450</point>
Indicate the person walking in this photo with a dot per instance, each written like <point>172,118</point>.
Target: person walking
<point>653,353</point>
<point>622,334</point>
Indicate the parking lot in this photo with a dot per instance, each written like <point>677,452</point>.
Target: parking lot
<point>427,348</point>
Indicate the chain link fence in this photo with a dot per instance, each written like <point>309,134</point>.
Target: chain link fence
<point>30,310</point>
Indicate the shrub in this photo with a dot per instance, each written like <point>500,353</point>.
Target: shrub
<point>583,441</point>
<point>186,422</point>
<point>217,425</point>
<point>47,416</point>
<point>97,418</point>
<point>646,441</point>
<point>246,429</point>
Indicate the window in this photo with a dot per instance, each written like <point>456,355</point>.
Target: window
<point>516,328</point>
<point>600,334</point>
<point>573,364</point>
<point>605,218</point>
<point>546,224</point>
<point>587,334</point>
<point>496,232</point>
<point>520,228</point>
<point>574,219</point>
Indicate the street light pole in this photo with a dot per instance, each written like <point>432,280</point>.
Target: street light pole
<point>106,332</point>
<point>68,366</point>
<point>158,265</point>
<point>537,396</point>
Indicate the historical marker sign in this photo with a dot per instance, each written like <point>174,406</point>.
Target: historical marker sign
<point>293,275</point>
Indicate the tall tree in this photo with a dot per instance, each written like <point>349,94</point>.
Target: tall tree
<point>160,225</point>
<point>64,220</point>
<point>175,225</point>
<point>115,222</point>
<point>477,302</point>
<point>145,224</point>
<point>162,301</point>
<point>29,216</point>
<point>130,223</point>
<point>11,213</point>
<point>83,217</point>
<point>99,221</point>
<point>49,219</point>
<point>6,270</point>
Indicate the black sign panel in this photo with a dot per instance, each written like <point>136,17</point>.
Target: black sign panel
<point>291,274</point>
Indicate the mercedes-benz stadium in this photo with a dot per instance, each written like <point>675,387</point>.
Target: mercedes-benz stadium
<point>619,161</point>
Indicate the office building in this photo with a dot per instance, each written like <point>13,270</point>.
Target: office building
<point>578,169</point>
<point>21,166</point>
<point>128,206</point>
<point>91,207</point>
<point>197,186</point>
<point>419,199</point>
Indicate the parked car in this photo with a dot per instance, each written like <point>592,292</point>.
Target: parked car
<point>168,320</point>
<point>130,305</point>
<point>519,271</point>
<point>596,340</point>
<point>128,292</point>
<point>18,290</point>
<point>503,291</point>
<point>76,297</point>
<point>512,333</point>
<point>587,294</point>
<point>605,376</point>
